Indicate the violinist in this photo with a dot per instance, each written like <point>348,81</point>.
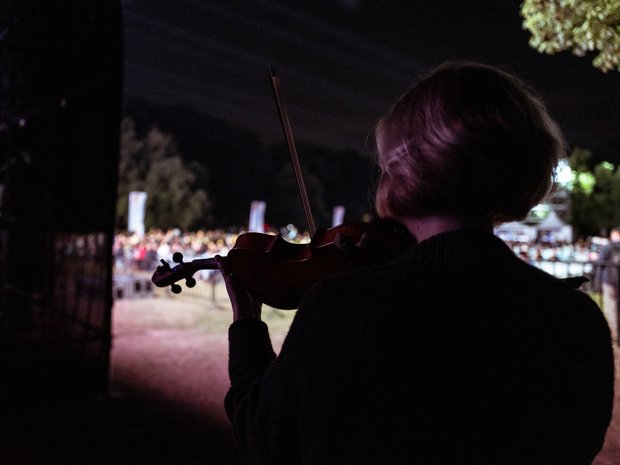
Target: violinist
<point>455,351</point>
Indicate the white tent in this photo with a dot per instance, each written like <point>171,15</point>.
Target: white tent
<point>516,232</point>
<point>554,228</point>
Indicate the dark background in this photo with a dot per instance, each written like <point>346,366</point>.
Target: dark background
<point>60,101</point>
<point>342,63</point>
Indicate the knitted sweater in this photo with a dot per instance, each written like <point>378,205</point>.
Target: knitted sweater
<point>455,352</point>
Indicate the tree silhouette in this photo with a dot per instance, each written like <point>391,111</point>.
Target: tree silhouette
<point>595,194</point>
<point>153,164</point>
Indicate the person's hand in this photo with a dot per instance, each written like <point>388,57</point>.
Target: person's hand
<point>244,306</point>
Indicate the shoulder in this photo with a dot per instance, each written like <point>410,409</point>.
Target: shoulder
<point>346,284</point>
<point>552,288</point>
<point>565,307</point>
<point>348,295</point>
<point>362,278</point>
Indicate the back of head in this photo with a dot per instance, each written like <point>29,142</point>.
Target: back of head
<point>468,139</point>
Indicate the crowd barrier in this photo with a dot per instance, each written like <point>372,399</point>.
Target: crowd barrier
<point>565,269</point>
<point>131,286</point>
<point>138,284</point>
<point>210,288</point>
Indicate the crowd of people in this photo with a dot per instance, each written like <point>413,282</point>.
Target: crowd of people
<point>133,252</point>
<point>582,250</point>
<point>136,252</point>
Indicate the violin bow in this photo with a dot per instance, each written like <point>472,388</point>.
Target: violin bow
<point>290,142</point>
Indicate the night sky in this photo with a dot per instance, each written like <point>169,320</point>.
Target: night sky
<point>343,63</point>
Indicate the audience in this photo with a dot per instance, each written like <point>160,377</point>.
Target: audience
<point>135,253</point>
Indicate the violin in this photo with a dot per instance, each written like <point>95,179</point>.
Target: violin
<point>277,272</point>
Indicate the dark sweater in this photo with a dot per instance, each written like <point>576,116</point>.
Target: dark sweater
<point>456,352</point>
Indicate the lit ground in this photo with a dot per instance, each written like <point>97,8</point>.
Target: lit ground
<point>175,348</point>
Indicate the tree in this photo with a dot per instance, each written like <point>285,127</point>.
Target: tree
<point>595,194</point>
<point>153,164</point>
<point>577,25</point>
<point>239,169</point>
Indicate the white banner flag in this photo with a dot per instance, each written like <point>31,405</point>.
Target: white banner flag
<point>135,216</point>
<point>257,216</point>
<point>337,215</point>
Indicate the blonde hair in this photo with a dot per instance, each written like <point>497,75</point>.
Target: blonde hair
<point>467,139</point>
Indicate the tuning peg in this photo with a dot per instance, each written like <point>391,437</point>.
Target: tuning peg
<point>165,266</point>
<point>175,288</point>
<point>177,257</point>
<point>190,282</point>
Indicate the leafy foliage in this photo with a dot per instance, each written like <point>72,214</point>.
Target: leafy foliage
<point>153,164</point>
<point>595,194</point>
<point>577,25</point>
<point>240,170</point>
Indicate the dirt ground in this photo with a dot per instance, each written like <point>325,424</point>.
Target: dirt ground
<point>168,379</point>
<point>173,351</point>
<point>176,350</point>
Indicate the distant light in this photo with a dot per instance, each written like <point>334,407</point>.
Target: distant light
<point>563,174</point>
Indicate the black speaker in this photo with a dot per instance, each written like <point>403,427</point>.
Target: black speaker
<point>60,101</point>
<point>65,59</point>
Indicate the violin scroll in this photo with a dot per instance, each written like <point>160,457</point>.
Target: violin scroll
<point>165,275</point>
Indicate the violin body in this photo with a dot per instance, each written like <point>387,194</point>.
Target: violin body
<point>277,272</point>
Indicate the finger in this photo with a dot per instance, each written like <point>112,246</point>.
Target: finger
<point>232,286</point>
<point>243,305</point>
